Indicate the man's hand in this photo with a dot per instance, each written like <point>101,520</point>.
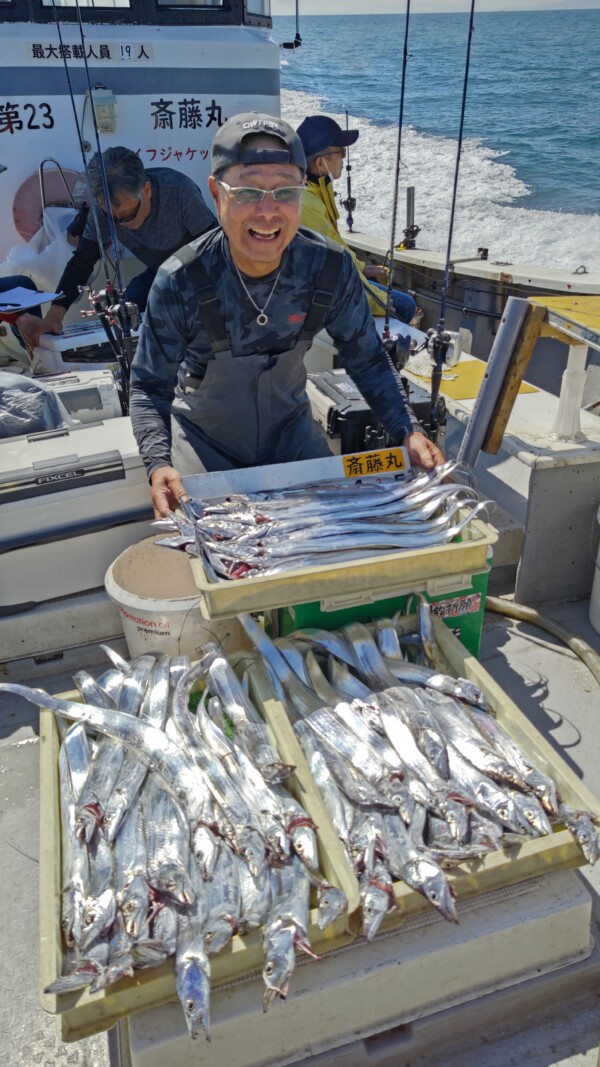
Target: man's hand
<point>377,273</point>
<point>167,489</point>
<point>422,452</point>
<point>31,327</point>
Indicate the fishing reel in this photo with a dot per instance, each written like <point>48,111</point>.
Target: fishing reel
<point>349,204</point>
<point>119,313</point>
<point>443,347</point>
<point>398,348</point>
<point>410,237</point>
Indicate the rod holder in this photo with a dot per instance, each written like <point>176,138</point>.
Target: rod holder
<point>567,424</point>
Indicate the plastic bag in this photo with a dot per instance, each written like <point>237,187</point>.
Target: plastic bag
<point>27,406</point>
<point>46,255</point>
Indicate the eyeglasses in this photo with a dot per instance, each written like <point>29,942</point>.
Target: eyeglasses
<point>336,152</point>
<point>130,216</point>
<point>242,194</point>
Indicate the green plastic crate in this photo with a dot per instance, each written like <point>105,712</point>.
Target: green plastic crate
<point>462,611</point>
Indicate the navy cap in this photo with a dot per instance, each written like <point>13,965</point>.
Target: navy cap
<point>318,132</point>
<point>228,145</point>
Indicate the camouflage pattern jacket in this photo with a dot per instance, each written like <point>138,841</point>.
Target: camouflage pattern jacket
<point>173,340</point>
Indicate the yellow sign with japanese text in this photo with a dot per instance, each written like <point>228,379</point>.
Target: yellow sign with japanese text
<point>381,461</point>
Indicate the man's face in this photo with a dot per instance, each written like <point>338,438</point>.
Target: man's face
<point>333,161</point>
<point>258,233</point>
<point>131,211</point>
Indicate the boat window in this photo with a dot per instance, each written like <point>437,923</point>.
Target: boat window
<point>258,7</point>
<point>190,3</point>
<point>85,3</point>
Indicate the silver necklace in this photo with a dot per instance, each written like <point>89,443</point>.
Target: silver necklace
<point>261,318</point>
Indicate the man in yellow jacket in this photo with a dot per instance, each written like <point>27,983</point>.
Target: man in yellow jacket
<point>325,144</point>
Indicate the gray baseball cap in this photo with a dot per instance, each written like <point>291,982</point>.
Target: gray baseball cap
<point>228,145</point>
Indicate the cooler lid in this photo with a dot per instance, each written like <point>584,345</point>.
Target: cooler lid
<point>339,387</point>
<point>58,460</point>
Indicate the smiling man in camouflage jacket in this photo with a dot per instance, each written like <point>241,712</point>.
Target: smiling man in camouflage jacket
<point>218,379</point>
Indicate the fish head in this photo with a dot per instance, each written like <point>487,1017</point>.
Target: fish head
<point>375,904</point>
<point>206,848</point>
<point>87,820</point>
<point>278,841</point>
<point>276,772</point>
<point>251,847</point>
<point>135,904</point>
<point>332,904</point>
<point>173,881</point>
<point>193,989</point>
<point>149,953</point>
<point>582,825</point>
<point>435,886</point>
<point>546,792</point>
<point>111,820</point>
<point>217,934</point>
<point>98,916</point>
<point>305,846</point>
<point>534,814</point>
<point>280,960</point>
<point>457,817</point>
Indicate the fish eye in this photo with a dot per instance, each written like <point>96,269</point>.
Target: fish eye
<point>433,896</point>
<point>269,969</point>
<point>502,812</point>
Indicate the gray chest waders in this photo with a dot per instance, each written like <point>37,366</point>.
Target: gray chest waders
<point>242,411</point>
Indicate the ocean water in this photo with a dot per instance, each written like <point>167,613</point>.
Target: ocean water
<point>528,185</point>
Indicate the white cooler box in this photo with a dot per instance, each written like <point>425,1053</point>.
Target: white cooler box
<point>82,346</point>
<point>71,502</point>
<point>88,396</point>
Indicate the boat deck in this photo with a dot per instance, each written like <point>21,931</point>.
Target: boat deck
<point>548,1022</point>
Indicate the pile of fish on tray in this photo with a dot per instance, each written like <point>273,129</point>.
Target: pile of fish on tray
<point>175,835</point>
<point>331,522</point>
<point>416,773</point>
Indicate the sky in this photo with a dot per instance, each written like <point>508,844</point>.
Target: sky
<point>390,7</point>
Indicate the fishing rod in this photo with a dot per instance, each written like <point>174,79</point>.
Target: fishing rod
<point>386,328</point>
<point>349,203</point>
<point>94,205</point>
<point>441,344</point>
<point>297,39</point>
<point>116,315</point>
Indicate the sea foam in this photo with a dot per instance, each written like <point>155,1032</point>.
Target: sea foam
<point>486,211</point>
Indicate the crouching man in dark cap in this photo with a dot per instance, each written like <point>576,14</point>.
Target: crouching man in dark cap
<point>325,144</point>
<point>218,378</point>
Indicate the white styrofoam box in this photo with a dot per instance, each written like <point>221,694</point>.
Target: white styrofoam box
<point>88,395</point>
<point>503,938</point>
<point>81,346</point>
<point>72,500</point>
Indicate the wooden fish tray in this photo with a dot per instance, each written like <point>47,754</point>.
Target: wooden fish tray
<point>497,869</point>
<point>81,1013</point>
<point>379,576</point>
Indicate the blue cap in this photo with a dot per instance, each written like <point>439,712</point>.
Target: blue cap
<point>318,132</point>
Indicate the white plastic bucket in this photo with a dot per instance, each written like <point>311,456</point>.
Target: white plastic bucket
<point>154,590</point>
<point>595,595</point>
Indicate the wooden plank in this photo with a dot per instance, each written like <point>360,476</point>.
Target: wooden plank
<point>530,332</point>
